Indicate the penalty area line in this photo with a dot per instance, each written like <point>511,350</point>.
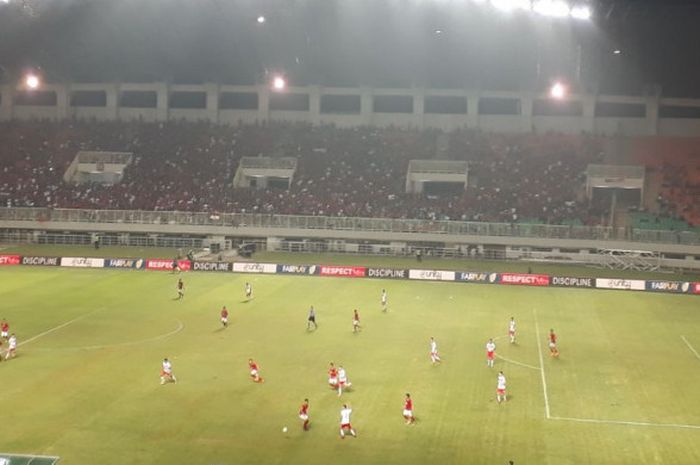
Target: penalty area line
<point>525,365</point>
<point>691,347</point>
<point>626,423</point>
<point>544,379</point>
<point>56,328</point>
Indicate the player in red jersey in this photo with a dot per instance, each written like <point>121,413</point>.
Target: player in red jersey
<point>304,414</point>
<point>356,321</point>
<point>254,371</point>
<point>224,316</point>
<point>333,377</point>
<point>4,329</point>
<point>553,351</point>
<point>408,410</point>
<point>180,289</point>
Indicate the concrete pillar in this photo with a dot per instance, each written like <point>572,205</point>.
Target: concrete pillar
<point>6,104</point>
<point>162,101</point>
<point>212,102</point>
<point>263,103</point>
<point>63,109</point>
<point>527,103</point>
<point>588,118</point>
<point>112,102</point>
<point>652,104</point>
<point>315,105</point>
<point>419,108</point>
<point>366,106</point>
<point>472,110</point>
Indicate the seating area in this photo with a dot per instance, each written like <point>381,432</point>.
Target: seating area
<point>341,172</point>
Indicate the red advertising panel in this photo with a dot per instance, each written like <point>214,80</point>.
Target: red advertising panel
<point>167,265</point>
<point>10,259</point>
<point>696,288</point>
<point>343,271</point>
<point>524,279</point>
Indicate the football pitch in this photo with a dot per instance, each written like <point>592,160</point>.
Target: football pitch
<point>85,384</point>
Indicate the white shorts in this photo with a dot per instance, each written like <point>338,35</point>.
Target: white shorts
<point>253,372</point>
<point>304,417</point>
<point>552,345</point>
<point>408,413</point>
<point>4,334</point>
<point>224,320</point>
<point>333,381</point>
<point>355,323</point>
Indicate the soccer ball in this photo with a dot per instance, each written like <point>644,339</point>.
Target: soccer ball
<point>284,430</point>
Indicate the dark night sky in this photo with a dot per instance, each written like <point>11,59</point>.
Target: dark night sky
<point>354,42</point>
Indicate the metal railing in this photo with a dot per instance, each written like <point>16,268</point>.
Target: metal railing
<point>256,220</point>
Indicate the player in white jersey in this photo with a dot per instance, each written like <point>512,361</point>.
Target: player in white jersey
<point>501,388</point>
<point>166,372</point>
<point>511,330</point>
<point>342,380</point>
<point>434,356</point>
<point>384,299</point>
<point>11,347</point>
<point>345,422</point>
<point>490,352</point>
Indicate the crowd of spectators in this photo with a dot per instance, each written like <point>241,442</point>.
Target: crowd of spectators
<point>357,172</point>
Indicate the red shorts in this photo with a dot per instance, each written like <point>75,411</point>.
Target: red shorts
<point>511,333</point>
<point>501,392</point>
<point>490,355</point>
<point>345,426</point>
<point>341,383</point>
<point>165,373</point>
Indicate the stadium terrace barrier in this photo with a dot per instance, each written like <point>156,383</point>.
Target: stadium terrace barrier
<point>83,262</point>
<point>432,275</point>
<point>41,261</point>
<point>10,260</point>
<point>268,268</point>
<point>131,263</point>
<point>342,271</point>
<point>570,281</point>
<point>668,286</point>
<point>626,284</point>
<point>211,266</point>
<point>521,279</point>
<point>167,265</point>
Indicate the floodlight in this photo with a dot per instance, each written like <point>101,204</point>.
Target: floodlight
<point>581,12</point>
<point>279,83</point>
<point>32,81</point>
<point>554,8</point>
<point>617,51</point>
<point>557,91</point>
<point>261,19</point>
<point>511,5</point>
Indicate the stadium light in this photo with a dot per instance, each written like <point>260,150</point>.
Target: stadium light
<point>581,12</point>
<point>557,91</point>
<point>279,83</point>
<point>511,5</point>
<point>32,81</point>
<point>261,19</point>
<point>553,8</point>
<point>617,51</point>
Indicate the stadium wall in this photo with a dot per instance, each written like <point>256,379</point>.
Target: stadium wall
<point>590,113</point>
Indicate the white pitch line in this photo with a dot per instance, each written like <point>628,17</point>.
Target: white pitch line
<point>518,363</point>
<point>626,423</point>
<point>56,328</point>
<point>544,379</point>
<point>690,347</point>
<point>180,327</point>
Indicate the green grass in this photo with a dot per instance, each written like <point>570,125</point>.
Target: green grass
<point>89,391</point>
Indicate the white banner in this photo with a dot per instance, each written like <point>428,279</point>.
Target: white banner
<point>255,267</point>
<point>628,284</point>
<point>83,262</point>
<point>433,275</point>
